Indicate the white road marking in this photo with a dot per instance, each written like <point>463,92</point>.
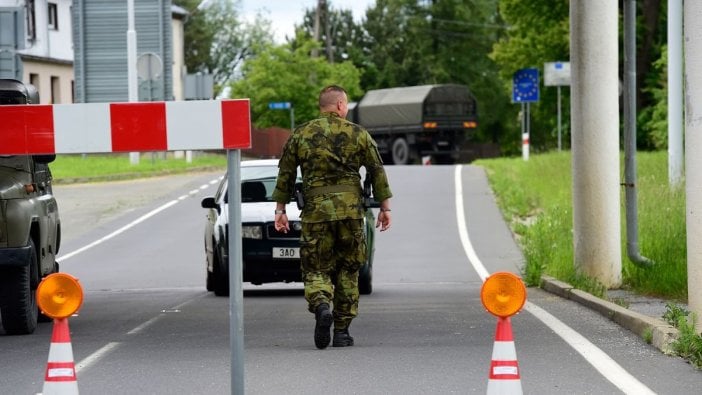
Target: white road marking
<point>117,232</point>
<point>127,227</point>
<point>97,355</point>
<point>109,347</point>
<point>607,367</point>
<point>145,325</point>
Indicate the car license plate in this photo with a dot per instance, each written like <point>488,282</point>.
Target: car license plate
<point>286,252</point>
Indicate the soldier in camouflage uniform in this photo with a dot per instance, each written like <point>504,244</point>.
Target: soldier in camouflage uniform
<point>330,151</point>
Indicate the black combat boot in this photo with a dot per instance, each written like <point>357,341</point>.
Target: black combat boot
<point>342,338</point>
<point>323,325</point>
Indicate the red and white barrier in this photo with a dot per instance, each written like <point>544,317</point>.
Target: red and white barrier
<point>125,127</point>
<point>504,375</point>
<point>60,378</point>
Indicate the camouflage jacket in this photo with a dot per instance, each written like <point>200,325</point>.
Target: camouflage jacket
<point>330,151</point>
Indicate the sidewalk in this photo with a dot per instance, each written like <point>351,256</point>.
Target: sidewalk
<point>643,316</point>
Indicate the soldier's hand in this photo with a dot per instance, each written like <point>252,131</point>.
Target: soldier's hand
<point>384,221</point>
<point>281,223</point>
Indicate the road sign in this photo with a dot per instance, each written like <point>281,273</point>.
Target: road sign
<point>279,105</point>
<point>557,73</point>
<point>125,127</point>
<point>525,86</point>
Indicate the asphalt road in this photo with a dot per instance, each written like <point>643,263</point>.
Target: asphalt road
<point>148,326</point>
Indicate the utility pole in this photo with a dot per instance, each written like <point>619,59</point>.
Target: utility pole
<point>595,139</point>
<point>327,32</point>
<point>132,85</point>
<point>675,93</point>
<point>320,3</point>
<point>693,146</point>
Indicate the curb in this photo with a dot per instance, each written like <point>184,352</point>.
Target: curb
<point>661,334</point>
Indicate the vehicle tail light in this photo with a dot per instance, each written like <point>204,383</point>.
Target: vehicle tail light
<point>470,124</point>
<point>430,125</point>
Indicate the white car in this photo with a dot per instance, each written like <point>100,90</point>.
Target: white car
<point>267,255</point>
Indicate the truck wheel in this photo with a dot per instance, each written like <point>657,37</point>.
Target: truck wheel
<point>42,317</point>
<point>19,301</point>
<point>400,151</point>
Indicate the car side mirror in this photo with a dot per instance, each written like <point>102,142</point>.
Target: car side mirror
<point>209,202</point>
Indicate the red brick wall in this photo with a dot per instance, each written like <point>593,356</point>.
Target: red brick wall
<point>267,143</point>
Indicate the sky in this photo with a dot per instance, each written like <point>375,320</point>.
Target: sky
<point>286,13</point>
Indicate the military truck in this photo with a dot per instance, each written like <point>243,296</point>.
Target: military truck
<point>409,123</point>
<point>30,229</point>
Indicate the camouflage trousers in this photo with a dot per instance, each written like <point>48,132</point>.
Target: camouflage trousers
<point>331,255</point>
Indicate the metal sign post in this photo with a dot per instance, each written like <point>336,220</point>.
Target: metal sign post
<point>557,74</point>
<point>236,292</point>
<point>525,89</point>
<point>284,106</point>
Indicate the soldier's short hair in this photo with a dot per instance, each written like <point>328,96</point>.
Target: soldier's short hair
<point>330,94</point>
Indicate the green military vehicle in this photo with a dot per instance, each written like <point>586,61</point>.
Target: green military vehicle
<point>30,229</point>
<point>411,122</point>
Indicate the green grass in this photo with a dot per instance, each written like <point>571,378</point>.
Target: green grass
<point>535,198</point>
<point>71,168</point>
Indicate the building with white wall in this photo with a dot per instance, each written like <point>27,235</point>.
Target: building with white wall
<point>48,58</point>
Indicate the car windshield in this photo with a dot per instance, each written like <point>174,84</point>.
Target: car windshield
<point>258,183</point>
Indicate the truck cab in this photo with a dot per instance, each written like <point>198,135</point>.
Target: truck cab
<point>30,228</point>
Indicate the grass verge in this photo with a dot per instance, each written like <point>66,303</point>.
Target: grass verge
<point>535,199</point>
<point>86,168</point>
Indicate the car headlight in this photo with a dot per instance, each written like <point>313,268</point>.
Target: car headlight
<point>252,232</point>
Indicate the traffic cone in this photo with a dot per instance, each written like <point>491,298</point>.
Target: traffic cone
<point>60,375</point>
<point>426,160</point>
<point>504,369</point>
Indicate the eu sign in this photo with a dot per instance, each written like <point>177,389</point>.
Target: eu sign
<point>525,86</point>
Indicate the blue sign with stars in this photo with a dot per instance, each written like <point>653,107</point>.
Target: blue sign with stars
<point>525,86</point>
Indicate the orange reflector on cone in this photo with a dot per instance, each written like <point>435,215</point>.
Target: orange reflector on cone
<point>503,294</point>
<point>59,295</point>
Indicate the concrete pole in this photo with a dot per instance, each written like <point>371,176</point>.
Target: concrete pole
<point>131,66</point>
<point>675,93</point>
<point>595,139</point>
<point>693,146</point>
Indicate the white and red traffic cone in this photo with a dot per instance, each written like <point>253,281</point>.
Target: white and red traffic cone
<point>426,160</point>
<point>60,378</point>
<point>504,375</point>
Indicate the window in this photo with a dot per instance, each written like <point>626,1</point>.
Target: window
<point>31,21</point>
<point>55,90</point>
<point>53,16</point>
<point>34,80</point>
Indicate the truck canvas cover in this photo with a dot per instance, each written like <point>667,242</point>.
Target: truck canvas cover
<point>409,107</point>
<point>394,106</point>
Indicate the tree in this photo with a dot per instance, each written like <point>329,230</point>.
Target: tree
<point>410,42</point>
<point>281,73</point>
<point>217,42</point>
<point>340,35</point>
<point>539,33</point>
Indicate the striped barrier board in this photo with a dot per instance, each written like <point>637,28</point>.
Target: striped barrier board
<point>125,127</point>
